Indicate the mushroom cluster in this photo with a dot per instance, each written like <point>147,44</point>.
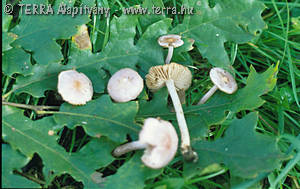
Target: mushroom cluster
<point>158,137</point>
<point>175,77</point>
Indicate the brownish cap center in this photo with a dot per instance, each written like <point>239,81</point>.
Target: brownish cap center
<point>170,40</point>
<point>77,84</point>
<point>225,79</point>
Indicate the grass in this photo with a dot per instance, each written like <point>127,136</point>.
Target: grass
<point>279,116</point>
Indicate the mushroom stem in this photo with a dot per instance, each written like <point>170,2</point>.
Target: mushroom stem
<point>208,95</point>
<point>128,147</point>
<point>185,136</point>
<point>170,54</point>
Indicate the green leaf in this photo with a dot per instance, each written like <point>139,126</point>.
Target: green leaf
<point>174,183</point>
<point>156,106</point>
<point>12,160</point>
<point>97,75</point>
<point>229,20</point>
<point>7,37</point>
<point>6,19</point>
<point>37,33</point>
<point>149,19</point>
<point>245,152</point>
<point>34,137</point>
<point>120,51</point>
<point>101,117</point>
<point>96,153</point>
<point>151,54</point>
<point>16,60</point>
<point>133,173</point>
<point>44,78</point>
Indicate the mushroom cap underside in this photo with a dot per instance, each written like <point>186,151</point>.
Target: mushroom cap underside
<point>223,80</point>
<point>158,75</point>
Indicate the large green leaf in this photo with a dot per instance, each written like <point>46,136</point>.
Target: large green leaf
<point>16,60</point>
<point>96,154</point>
<point>11,160</point>
<point>120,51</point>
<point>101,117</point>
<point>157,106</point>
<point>229,20</point>
<point>133,173</point>
<point>37,33</point>
<point>37,137</point>
<point>245,152</point>
<point>44,78</point>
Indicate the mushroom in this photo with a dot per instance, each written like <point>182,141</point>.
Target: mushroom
<point>170,41</point>
<point>158,138</point>
<point>222,80</point>
<point>74,87</point>
<point>175,77</point>
<point>125,85</point>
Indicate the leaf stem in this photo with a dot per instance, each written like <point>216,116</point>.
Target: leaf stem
<point>7,94</point>
<point>30,177</point>
<point>36,108</point>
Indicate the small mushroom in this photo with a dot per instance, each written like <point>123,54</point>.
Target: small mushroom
<point>74,87</point>
<point>175,77</point>
<point>125,85</point>
<point>158,138</point>
<point>170,41</point>
<point>222,80</point>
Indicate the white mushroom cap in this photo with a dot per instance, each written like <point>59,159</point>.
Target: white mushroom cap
<point>162,141</point>
<point>125,85</point>
<point>74,87</point>
<point>158,75</point>
<point>170,40</point>
<point>223,80</point>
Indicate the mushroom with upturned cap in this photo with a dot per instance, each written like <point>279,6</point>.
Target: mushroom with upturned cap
<point>175,77</point>
<point>125,85</point>
<point>158,138</point>
<point>170,41</point>
<point>222,80</point>
<point>74,87</point>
